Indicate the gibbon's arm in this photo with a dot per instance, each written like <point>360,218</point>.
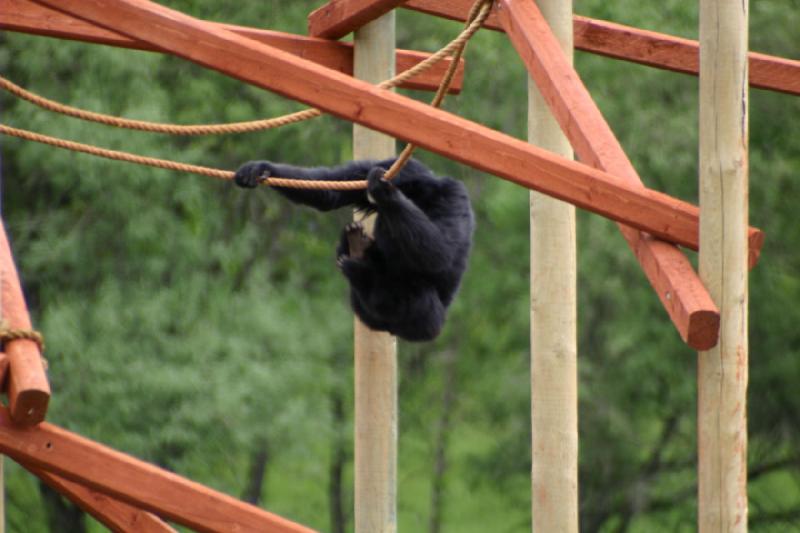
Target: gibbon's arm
<point>324,200</point>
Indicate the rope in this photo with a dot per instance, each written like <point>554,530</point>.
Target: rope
<point>478,14</point>
<point>173,165</point>
<point>8,334</point>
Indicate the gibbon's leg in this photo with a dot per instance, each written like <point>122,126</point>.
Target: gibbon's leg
<point>420,314</point>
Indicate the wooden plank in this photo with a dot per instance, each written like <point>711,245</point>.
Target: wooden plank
<point>28,389</point>
<point>114,514</point>
<point>337,18</point>
<point>375,353</point>
<point>690,307</point>
<point>135,482</point>
<point>722,372</point>
<point>554,320</point>
<point>29,17</point>
<point>645,47</point>
<point>436,130</point>
<point>677,54</point>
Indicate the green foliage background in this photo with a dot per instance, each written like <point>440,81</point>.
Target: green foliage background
<point>196,326</point>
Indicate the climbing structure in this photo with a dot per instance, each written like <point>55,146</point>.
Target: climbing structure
<point>129,495</point>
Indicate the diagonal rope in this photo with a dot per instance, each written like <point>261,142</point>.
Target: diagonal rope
<point>478,14</point>
<point>476,17</point>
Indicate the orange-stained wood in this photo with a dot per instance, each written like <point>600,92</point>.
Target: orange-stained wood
<point>639,46</point>
<point>337,18</point>
<point>29,17</point>
<point>114,514</point>
<point>135,482</point>
<point>689,305</point>
<point>677,54</point>
<point>436,130</point>
<point>28,388</point>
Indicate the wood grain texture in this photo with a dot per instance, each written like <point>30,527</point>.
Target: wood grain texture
<point>375,353</point>
<point>134,482</point>
<point>27,16</point>
<point>723,168</point>
<point>554,320</point>
<point>337,18</point>
<point>117,516</point>
<point>654,49</point>
<point>28,389</point>
<point>399,116</point>
<point>679,288</point>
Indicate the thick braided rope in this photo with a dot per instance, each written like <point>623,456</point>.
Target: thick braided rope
<point>235,127</point>
<point>13,334</point>
<point>172,165</point>
<point>477,15</point>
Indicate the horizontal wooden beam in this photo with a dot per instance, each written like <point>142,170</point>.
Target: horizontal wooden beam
<point>645,47</point>
<point>433,129</point>
<point>28,389</point>
<point>135,482</point>
<point>27,16</point>
<point>337,18</point>
<point>117,516</point>
<point>678,286</point>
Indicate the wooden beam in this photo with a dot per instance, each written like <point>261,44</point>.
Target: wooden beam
<point>337,18</point>
<point>133,481</point>
<point>376,412</point>
<point>114,514</point>
<point>686,300</point>
<point>28,388</point>
<point>645,47</point>
<point>678,54</point>
<point>27,16</point>
<point>434,129</point>
<point>554,320</point>
<point>722,372</point>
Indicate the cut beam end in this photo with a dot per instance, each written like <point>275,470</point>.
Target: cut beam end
<point>703,330</point>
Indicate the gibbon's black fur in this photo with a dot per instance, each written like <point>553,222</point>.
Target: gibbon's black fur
<point>403,279</point>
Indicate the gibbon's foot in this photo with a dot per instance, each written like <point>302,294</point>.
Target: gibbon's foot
<point>357,239</point>
<point>250,175</point>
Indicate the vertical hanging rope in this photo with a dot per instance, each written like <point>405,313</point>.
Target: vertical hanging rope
<point>477,15</point>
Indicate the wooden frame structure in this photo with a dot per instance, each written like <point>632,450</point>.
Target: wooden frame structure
<point>317,71</point>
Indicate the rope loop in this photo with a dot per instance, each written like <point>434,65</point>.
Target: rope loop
<point>8,334</point>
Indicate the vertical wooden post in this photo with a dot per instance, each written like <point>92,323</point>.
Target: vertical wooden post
<point>723,370</point>
<point>375,353</point>
<point>554,403</point>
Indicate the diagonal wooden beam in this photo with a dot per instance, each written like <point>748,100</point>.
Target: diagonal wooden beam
<point>337,18</point>
<point>645,47</point>
<point>683,295</point>
<point>433,129</point>
<point>28,388</point>
<point>133,481</point>
<point>114,514</point>
<point>27,16</point>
